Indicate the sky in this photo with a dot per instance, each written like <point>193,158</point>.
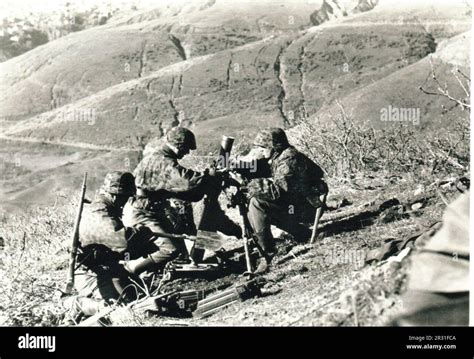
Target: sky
<point>24,7</point>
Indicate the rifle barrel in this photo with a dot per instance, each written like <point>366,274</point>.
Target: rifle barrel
<point>75,239</point>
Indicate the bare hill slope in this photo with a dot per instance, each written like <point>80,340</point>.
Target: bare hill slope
<point>218,68</point>
<point>86,62</point>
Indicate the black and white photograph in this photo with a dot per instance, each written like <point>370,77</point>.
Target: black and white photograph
<point>265,163</point>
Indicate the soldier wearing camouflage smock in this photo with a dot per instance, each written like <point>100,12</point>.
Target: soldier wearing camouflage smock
<point>102,220</point>
<point>164,192</point>
<point>104,241</point>
<point>285,191</point>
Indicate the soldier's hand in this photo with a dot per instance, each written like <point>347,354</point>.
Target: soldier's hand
<point>133,234</point>
<point>251,188</point>
<point>213,171</point>
<point>210,171</point>
<point>237,178</point>
<point>245,191</point>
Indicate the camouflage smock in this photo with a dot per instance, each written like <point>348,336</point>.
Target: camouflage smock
<point>294,178</point>
<point>101,224</point>
<point>160,170</point>
<point>167,186</point>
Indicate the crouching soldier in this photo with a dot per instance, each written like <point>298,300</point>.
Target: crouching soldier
<point>165,190</point>
<point>100,279</point>
<point>285,190</point>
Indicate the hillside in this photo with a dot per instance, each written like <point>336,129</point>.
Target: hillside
<point>220,67</point>
<point>400,89</point>
<point>88,61</point>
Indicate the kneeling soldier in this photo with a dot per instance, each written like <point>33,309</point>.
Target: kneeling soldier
<point>104,241</point>
<point>165,190</point>
<point>285,191</point>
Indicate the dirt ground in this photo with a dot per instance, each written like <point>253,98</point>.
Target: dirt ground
<point>324,284</point>
<point>328,283</point>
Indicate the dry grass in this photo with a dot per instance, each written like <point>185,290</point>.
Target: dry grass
<point>33,262</point>
<point>321,285</point>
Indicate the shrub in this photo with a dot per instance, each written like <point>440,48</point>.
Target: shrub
<point>344,147</point>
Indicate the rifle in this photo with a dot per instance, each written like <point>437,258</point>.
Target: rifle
<point>75,240</point>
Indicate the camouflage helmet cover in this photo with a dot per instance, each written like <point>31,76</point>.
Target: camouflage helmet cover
<point>272,137</point>
<point>181,137</point>
<point>117,182</point>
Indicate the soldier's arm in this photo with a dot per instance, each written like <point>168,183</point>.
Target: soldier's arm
<point>161,178</point>
<point>272,188</point>
<point>99,226</point>
<point>116,221</point>
<point>109,217</point>
<point>187,184</point>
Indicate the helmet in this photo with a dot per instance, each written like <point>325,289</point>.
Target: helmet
<point>117,182</point>
<point>181,138</point>
<point>272,137</point>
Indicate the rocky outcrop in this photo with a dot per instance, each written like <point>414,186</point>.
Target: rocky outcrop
<point>335,9</point>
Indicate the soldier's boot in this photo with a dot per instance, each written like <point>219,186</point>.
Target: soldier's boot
<point>301,233</point>
<point>263,266</point>
<point>267,249</point>
<point>79,307</point>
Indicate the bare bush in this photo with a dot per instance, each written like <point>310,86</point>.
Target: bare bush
<point>442,90</point>
<point>345,148</point>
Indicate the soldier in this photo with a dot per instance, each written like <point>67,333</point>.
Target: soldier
<point>102,220</point>
<point>104,241</point>
<point>438,281</point>
<point>285,191</point>
<point>165,190</point>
